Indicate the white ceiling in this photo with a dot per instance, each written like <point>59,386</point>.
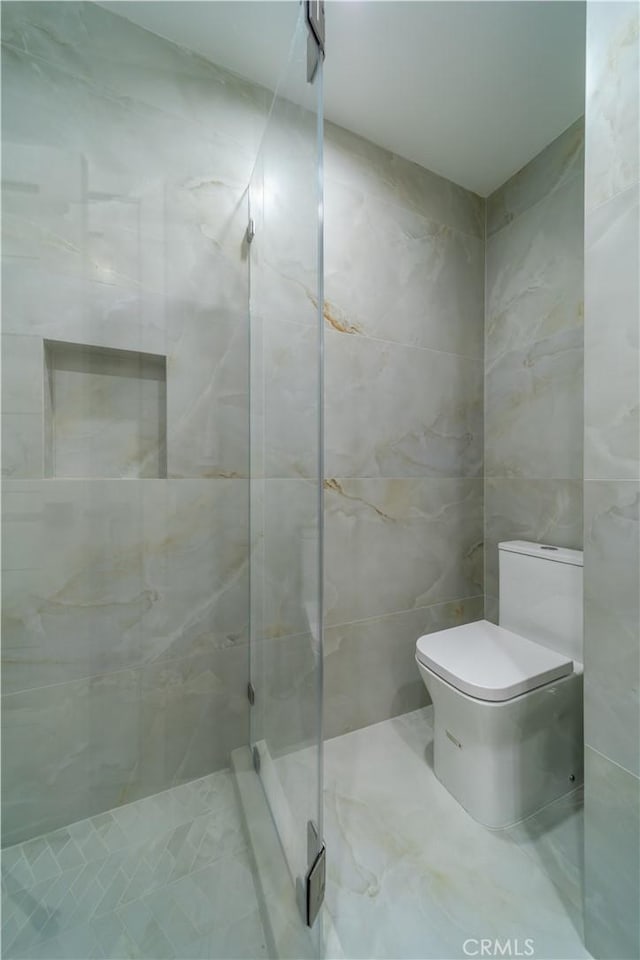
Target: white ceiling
<point>470,89</point>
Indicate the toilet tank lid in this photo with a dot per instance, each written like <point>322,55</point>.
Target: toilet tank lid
<point>543,550</point>
<point>488,662</point>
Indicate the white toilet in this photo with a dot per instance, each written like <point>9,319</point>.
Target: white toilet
<point>508,700</point>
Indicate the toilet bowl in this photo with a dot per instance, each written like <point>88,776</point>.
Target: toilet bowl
<point>508,699</point>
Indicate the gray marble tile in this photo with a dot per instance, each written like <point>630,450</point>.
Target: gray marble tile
<point>416,876</point>
<point>393,545</point>
<point>612,339</point>
<point>142,895</point>
<point>396,411</point>
<point>106,412</point>
<point>284,673</point>
<point>393,274</point>
<point>284,198</point>
<point>284,566</point>
<point>123,250</point>
<point>557,164</point>
<point>43,731</point>
<point>369,666</point>
<point>22,445</point>
<point>543,511</point>
<point>612,106</point>
<point>110,739</point>
<point>534,338</point>
<point>204,715</point>
<point>354,161</point>
<point>554,839</point>
<point>612,863</point>
<point>106,575</point>
<point>491,608</point>
<point>535,273</point>
<point>285,399</point>
<point>534,410</point>
<point>111,53</point>
<point>612,620</point>
<point>207,394</point>
<point>22,374</point>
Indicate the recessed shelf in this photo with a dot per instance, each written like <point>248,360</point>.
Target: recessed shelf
<point>105,412</point>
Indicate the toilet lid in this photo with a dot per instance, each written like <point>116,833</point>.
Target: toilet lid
<point>488,662</point>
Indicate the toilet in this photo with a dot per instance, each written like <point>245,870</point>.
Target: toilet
<point>507,699</point>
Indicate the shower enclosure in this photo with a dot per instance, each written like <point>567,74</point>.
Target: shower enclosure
<point>169,359</point>
<point>286,350</point>
<point>162,549</point>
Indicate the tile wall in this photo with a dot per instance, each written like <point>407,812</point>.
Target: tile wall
<point>612,481</point>
<point>125,165</point>
<point>404,312</point>
<point>534,355</point>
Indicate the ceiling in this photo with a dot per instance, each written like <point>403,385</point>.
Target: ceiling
<point>471,90</point>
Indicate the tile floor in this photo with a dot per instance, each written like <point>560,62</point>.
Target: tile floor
<point>410,874</point>
<point>165,877</point>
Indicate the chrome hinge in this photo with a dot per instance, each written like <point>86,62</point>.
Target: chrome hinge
<point>251,230</point>
<point>256,759</point>
<point>316,882</point>
<point>311,889</point>
<point>251,693</point>
<point>314,11</point>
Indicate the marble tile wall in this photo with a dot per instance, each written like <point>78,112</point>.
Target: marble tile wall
<point>125,165</point>
<point>612,481</point>
<point>404,314</point>
<point>534,355</point>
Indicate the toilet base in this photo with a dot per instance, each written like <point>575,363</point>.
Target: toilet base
<point>503,761</point>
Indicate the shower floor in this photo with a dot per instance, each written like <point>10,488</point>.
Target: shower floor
<point>411,875</point>
<point>165,877</point>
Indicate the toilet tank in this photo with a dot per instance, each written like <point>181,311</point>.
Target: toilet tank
<point>541,595</point>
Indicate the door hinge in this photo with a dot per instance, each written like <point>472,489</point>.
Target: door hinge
<point>311,889</point>
<point>251,693</point>
<point>314,11</point>
<point>256,759</point>
<point>251,230</point>
<point>315,886</point>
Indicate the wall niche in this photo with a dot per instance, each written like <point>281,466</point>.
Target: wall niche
<point>105,412</point>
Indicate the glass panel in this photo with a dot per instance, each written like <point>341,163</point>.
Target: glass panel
<point>286,458</point>
<point>125,389</point>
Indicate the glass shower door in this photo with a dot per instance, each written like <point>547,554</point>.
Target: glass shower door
<point>285,203</point>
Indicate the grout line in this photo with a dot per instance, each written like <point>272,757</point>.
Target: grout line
<point>560,185</point>
<point>614,196</point>
<point>394,613</point>
<point>159,662</point>
<point>614,762</point>
<point>355,337</point>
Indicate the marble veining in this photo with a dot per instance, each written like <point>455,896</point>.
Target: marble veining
<point>394,274</point>
<point>613,106</point>
<point>398,411</point>
<point>612,865</point>
<point>380,652</point>
<point>429,532</point>
<point>413,875</point>
<point>167,877</point>
<point>106,575</point>
<point>612,472</point>
<point>612,339</point>
<point>556,165</point>
<point>125,166</point>
<point>356,162</point>
<point>534,355</point>
<point>612,611</point>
